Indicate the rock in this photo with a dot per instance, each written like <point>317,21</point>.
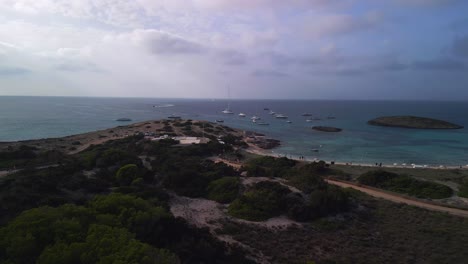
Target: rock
<point>327,129</point>
<point>267,143</point>
<point>413,122</point>
<point>124,120</point>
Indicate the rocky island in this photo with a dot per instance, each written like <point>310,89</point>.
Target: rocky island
<point>327,129</point>
<point>413,122</point>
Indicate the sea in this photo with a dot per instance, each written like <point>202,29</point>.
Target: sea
<point>23,118</point>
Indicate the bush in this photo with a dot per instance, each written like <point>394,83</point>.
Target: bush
<point>269,166</point>
<point>103,232</point>
<point>463,190</point>
<point>127,174</point>
<point>405,184</point>
<point>376,178</point>
<point>263,201</point>
<point>224,190</point>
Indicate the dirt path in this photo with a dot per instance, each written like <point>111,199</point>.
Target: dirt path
<point>399,199</point>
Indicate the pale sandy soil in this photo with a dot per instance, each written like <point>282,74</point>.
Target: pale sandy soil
<point>399,199</point>
<point>206,213</point>
<point>252,180</point>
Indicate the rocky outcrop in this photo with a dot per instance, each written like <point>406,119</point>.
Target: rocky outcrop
<point>412,122</point>
<point>327,129</point>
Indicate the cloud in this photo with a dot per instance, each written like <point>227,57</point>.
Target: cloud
<point>78,67</point>
<point>439,64</point>
<point>341,24</point>
<point>460,46</point>
<point>12,71</point>
<point>159,42</point>
<point>269,73</point>
<point>256,4</point>
<point>232,57</point>
<point>428,3</point>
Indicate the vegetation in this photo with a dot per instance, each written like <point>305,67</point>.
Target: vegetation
<point>377,232</point>
<point>101,232</point>
<point>269,199</point>
<point>224,190</point>
<point>405,184</point>
<point>110,204</point>
<point>26,156</point>
<point>49,214</point>
<point>412,122</point>
<point>263,201</point>
<point>269,166</point>
<point>463,190</point>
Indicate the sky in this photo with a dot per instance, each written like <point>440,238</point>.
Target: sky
<point>273,49</point>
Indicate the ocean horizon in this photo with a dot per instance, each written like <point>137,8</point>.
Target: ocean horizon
<point>34,117</point>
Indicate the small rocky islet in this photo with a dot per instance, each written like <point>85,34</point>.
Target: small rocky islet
<point>327,129</point>
<point>412,122</point>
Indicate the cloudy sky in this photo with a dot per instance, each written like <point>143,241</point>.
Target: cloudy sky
<point>318,49</point>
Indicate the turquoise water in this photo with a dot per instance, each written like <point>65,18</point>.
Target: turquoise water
<point>24,118</point>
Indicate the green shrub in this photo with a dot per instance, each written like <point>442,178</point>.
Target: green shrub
<point>405,184</point>
<point>376,178</point>
<point>269,166</point>
<point>463,190</point>
<point>263,201</point>
<point>224,190</point>
<point>127,174</point>
<point>105,231</point>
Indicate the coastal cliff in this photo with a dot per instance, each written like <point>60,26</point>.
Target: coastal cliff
<point>413,122</point>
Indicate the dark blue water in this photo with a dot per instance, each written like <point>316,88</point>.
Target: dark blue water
<point>41,117</point>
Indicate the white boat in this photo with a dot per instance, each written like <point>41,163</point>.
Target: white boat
<point>242,115</point>
<point>281,116</point>
<point>228,108</point>
<point>309,120</point>
<point>255,118</point>
<point>289,121</point>
<point>272,113</point>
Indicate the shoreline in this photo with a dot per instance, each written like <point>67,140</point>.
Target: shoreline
<point>272,153</point>
<point>101,136</point>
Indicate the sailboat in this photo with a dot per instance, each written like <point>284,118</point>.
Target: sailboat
<point>228,108</point>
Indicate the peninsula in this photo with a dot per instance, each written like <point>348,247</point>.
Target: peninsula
<point>413,122</point>
<point>187,191</point>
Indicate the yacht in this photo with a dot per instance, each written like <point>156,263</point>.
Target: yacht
<point>281,116</point>
<point>255,118</point>
<point>227,111</point>
<point>228,108</point>
<point>272,113</point>
<point>241,115</point>
<point>219,121</point>
<point>289,121</point>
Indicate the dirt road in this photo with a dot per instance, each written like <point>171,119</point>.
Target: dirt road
<point>399,199</point>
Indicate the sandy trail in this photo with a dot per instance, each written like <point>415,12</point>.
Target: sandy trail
<point>399,199</point>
